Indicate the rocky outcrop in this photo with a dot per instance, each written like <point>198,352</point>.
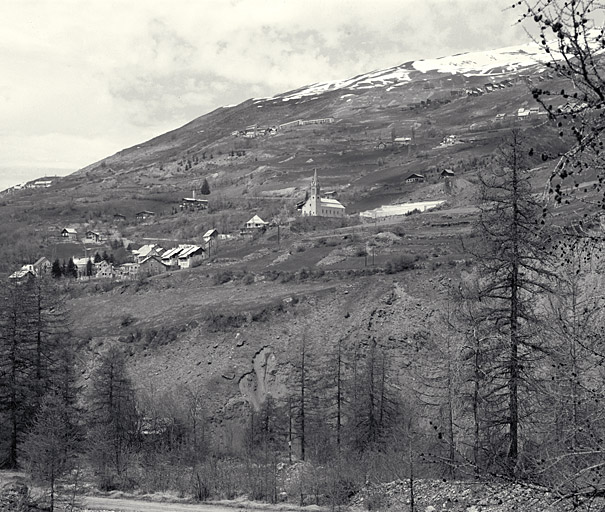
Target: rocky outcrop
<point>262,381</point>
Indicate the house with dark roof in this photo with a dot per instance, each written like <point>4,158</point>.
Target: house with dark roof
<point>415,178</point>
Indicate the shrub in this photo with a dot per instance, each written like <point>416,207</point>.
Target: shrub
<point>403,262</point>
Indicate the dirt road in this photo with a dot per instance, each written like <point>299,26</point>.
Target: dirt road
<point>125,505</point>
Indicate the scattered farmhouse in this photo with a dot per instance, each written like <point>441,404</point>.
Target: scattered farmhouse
<point>256,223</point>
<point>69,234</point>
<point>118,217</point>
<point>210,239</point>
<point>193,203</point>
<point>317,206</point>
<point>415,178</point>
<point>93,236</point>
<point>144,215</point>
<point>447,173</point>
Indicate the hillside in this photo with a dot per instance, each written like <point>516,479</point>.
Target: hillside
<point>231,336</point>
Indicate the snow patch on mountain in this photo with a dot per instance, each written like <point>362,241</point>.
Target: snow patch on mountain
<point>507,59</point>
<point>491,62</point>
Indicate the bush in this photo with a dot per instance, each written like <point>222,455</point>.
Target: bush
<point>399,264</point>
<point>127,320</point>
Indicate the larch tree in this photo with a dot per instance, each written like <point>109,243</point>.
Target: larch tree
<point>112,419</point>
<point>512,259</point>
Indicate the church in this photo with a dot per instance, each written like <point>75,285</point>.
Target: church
<point>318,206</point>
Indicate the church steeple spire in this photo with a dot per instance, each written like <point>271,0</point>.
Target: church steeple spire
<point>315,189</point>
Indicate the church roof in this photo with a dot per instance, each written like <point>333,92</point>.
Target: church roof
<point>331,203</point>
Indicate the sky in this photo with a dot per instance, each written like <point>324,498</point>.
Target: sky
<point>83,79</point>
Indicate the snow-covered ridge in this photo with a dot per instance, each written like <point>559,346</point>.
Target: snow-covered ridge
<point>489,62</point>
<point>509,59</point>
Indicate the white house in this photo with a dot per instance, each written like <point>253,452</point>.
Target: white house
<point>317,206</point>
<point>69,234</point>
<point>190,255</point>
<point>145,251</point>
<point>256,223</point>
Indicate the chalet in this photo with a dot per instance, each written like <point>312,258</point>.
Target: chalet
<point>144,215</point>
<point>118,217</point>
<point>534,111</point>
<point>41,266</point>
<point>127,271</point>
<point>69,234</point>
<point>256,223</point>
<point>449,140</point>
<point>488,87</point>
<point>171,256</point>
<point>210,238</point>
<point>145,251</point>
<point>93,236</point>
<point>317,206</point>
<point>193,203</point>
<point>402,141</point>
<point>415,178</point>
<point>190,255</point>
<point>104,270</point>
<point>22,275</point>
<point>500,117</point>
<point>82,267</point>
<point>152,265</point>
<point>447,173</point>
<point>211,234</point>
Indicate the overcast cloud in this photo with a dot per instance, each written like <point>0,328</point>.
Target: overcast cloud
<point>81,79</point>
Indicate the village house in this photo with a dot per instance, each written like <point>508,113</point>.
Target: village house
<point>317,206</point>
<point>415,178</point>
<point>192,203</point>
<point>41,266</point>
<point>190,255</point>
<point>256,223</point>
<point>22,275</point>
<point>152,265</point>
<point>118,217</point>
<point>145,251</point>
<point>210,239</point>
<point>82,267</point>
<point>144,215</point>
<point>69,234</point>
<point>127,271</point>
<point>171,256</point>
<point>93,237</point>
<point>104,270</point>
<point>447,173</point>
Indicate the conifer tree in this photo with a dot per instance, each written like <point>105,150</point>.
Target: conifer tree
<point>512,260</point>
